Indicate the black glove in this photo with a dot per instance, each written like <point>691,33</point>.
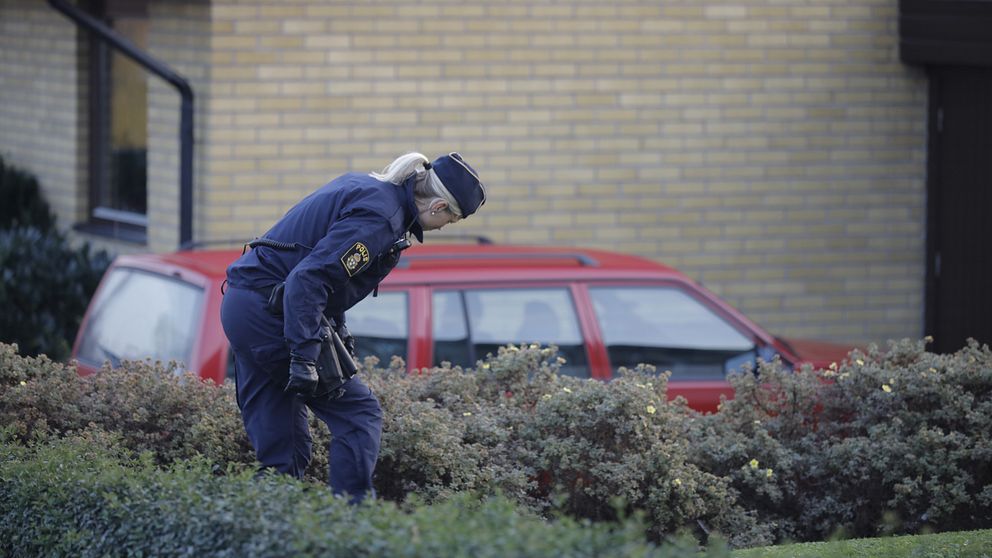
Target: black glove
<point>302,376</point>
<point>347,339</point>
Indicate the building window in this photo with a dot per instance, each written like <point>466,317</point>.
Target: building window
<point>118,135</point>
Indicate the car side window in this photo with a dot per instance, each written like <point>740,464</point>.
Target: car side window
<point>140,315</point>
<point>471,323</point>
<point>670,329</point>
<point>380,326</point>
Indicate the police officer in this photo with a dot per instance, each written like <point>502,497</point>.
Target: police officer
<point>329,252</point>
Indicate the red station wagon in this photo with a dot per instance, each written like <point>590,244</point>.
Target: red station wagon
<point>457,303</point>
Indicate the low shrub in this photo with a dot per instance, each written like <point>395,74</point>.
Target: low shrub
<point>556,444</point>
<point>887,441</point>
<point>449,429</point>
<point>171,416</point>
<point>894,441</point>
<point>619,447</point>
<point>75,498</point>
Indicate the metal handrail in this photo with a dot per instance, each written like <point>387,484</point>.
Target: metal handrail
<point>160,69</point>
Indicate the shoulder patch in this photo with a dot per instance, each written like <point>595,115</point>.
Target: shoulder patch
<point>355,259</point>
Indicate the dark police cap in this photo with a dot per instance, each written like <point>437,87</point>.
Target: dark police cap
<point>462,181</point>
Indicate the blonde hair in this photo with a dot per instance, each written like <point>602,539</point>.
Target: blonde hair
<point>427,185</point>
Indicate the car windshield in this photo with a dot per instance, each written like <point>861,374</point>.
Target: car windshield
<point>666,327</point>
<point>139,315</point>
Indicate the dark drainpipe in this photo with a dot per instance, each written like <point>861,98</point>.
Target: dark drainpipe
<point>122,44</point>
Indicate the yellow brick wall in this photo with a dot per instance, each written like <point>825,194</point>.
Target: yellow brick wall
<point>179,36</point>
<point>41,118</point>
<point>774,151</point>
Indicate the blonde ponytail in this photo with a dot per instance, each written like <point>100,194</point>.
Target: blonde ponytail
<point>401,168</point>
<point>427,186</point>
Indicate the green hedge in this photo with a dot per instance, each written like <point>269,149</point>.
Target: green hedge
<point>75,498</point>
<point>46,281</point>
<point>893,441</point>
<point>589,449</point>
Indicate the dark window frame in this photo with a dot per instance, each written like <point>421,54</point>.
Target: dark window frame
<point>101,220</point>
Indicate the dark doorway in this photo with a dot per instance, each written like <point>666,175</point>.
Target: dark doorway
<point>959,214</point>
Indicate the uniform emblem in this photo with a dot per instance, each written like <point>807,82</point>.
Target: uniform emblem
<point>355,259</point>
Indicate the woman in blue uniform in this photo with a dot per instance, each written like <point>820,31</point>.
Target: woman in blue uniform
<point>326,254</point>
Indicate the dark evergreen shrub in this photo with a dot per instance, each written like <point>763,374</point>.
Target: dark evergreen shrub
<point>46,285</point>
<point>23,204</point>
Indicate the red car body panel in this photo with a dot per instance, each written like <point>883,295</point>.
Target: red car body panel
<point>423,269</point>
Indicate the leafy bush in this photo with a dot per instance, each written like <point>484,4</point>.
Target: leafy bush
<point>45,289</point>
<point>622,444</point>
<point>888,441</point>
<point>448,430</point>
<point>23,204</point>
<point>75,498</point>
<point>556,444</point>
<point>46,283</point>
<point>149,408</point>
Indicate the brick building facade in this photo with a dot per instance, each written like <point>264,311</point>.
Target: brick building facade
<point>774,151</point>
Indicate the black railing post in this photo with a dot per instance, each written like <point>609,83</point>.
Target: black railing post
<point>160,69</point>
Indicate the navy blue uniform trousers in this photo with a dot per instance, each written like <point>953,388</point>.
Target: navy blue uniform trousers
<point>276,421</point>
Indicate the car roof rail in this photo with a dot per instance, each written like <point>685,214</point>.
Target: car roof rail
<point>476,238</point>
<point>234,242</point>
<point>194,244</point>
<point>583,260</point>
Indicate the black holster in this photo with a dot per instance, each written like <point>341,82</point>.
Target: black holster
<point>274,304</point>
<point>335,365</point>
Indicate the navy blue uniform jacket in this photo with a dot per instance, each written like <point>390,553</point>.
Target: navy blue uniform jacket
<point>343,232</point>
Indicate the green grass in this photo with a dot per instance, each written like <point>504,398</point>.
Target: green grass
<point>963,544</point>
